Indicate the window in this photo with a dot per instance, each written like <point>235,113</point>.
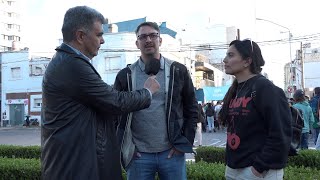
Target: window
<point>10,37</point>
<point>10,26</point>
<point>38,71</point>
<point>113,63</point>
<point>16,72</point>
<point>37,102</point>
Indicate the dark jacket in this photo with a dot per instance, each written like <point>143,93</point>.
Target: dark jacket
<point>77,136</point>
<point>314,104</point>
<point>181,108</point>
<point>201,115</point>
<point>259,129</point>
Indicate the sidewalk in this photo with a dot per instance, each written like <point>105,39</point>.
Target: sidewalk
<point>19,127</point>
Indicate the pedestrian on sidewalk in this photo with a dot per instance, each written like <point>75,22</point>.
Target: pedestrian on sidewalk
<point>210,117</point>
<point>201,119</point>
<point>301,103</point>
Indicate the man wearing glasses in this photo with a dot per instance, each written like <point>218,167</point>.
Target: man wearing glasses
<point>156,139</point>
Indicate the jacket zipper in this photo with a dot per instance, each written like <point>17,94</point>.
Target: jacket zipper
<point>170,102</point>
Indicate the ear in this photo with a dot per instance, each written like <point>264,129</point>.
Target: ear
<point>247,62</point>
<point>137,44</point>
<point>160,41</point>
<point>80,36</point>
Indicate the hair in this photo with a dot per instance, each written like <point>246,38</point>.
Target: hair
<point>150,24</point>
<point>247,49</point>
<point>79,17</point>
<point>317,91</point>
<point>299,95</point>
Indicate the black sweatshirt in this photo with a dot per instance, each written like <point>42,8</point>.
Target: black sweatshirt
<point>259,130</point>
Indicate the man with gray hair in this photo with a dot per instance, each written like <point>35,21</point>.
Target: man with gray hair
<point>78,138</point>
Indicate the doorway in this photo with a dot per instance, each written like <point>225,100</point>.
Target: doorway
<point>16,114</point>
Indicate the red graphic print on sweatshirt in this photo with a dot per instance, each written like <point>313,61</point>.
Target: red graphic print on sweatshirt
<point>237,108</point>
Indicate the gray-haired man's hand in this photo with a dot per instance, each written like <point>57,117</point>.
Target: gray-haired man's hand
<point>152,84</point>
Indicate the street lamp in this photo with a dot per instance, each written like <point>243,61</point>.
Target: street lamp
<point>290,38</point>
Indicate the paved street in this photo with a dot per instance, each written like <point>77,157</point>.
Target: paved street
<point>20,136</point>
<point>31,136</point>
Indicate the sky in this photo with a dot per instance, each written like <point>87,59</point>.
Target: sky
<point>43,20</point>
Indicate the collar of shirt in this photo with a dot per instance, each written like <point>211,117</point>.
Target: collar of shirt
<point>142,65</point>
<point>78,52</point>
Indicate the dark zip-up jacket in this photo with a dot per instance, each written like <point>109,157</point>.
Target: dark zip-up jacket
<point>78,138</point>
<point>181,108</point>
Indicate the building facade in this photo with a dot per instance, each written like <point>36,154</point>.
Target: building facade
<point>10,25</point>
<point>119,50</point>
<point>21,93</point>
<point>309,77</point>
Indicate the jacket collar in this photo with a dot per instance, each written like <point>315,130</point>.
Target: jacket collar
<point>71,50</point>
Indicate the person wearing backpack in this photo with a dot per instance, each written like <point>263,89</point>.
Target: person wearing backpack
<point>314,104</point>
<point>210,117</point>
<point>307,114</point>
<point>217,109</point>
<point>200,120</point>
<point>258,121</point>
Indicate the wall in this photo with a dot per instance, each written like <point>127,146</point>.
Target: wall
<point>23,87</point>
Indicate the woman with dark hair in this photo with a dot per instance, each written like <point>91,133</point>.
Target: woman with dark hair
<point>257,117</point>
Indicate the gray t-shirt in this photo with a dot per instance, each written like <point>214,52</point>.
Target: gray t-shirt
<point>149,126</point>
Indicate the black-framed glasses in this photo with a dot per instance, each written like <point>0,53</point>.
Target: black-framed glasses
<point>144,37</point>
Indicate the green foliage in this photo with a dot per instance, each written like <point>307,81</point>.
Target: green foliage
<point>15,168</point>
<point>210,154</point>
<point>306,158</point>
<point>301,173</point>
<point>27,152</point>
<point>19,162</point>
<point>203,171</point>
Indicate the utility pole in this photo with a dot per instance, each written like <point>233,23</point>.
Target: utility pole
<point>302,66</point>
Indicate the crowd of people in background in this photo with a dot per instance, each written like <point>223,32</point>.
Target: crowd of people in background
<point>208,119</point>
<point>309,108</point>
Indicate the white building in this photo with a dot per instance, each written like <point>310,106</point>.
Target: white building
<point>311,71</point>
<point>10,25</point>
<point>21,86</point>
<point>120,49</point>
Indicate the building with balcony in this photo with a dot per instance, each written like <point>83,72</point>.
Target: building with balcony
<point>10,25</point>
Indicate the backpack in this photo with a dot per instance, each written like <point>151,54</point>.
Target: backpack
<point>210,111</point>
<point>201,118</point>
<point>296,125</point>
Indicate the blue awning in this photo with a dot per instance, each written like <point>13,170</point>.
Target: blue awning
<point>215,93</point>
